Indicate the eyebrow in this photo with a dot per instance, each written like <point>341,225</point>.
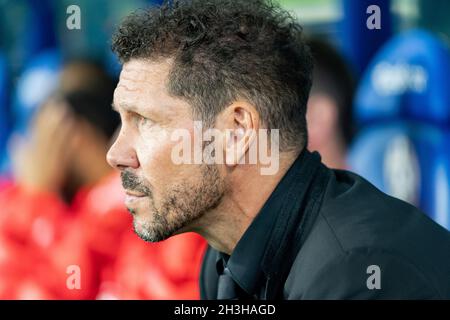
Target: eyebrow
<point>125,107</point>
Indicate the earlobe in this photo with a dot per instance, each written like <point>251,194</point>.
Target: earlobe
<point>234,147</point>
<point>242,120</point>
<point>238,142</point>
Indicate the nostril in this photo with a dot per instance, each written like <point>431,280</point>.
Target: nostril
<point>110,159</point>
<point>115,161</point>
<point>123,162</point>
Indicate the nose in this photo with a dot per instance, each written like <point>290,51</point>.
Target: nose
<point>122,155</point>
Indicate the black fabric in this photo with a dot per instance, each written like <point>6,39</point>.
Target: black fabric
<point>227,288</point>
<point>318,234</point>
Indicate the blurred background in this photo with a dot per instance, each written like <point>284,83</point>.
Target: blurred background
<point>379,106</point>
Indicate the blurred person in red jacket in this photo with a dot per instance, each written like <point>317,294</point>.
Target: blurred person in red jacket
<point>64,157</point>
<point>42,239</point>
<point>329,110</point>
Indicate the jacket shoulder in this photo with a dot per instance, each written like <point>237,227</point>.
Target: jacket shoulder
<point>359,226</point>
<point>364,273</point>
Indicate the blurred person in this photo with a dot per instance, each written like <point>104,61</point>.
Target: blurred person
<point>53,171</point>
<point>69,139</point>
<point>302,232</point>
<point>329,110</point>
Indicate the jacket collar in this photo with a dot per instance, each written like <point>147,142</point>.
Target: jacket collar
<point>262,250</point>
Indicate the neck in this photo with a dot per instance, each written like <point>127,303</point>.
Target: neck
<point>249,190</point>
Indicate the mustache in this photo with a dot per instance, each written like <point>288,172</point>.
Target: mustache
<point>132,182</point>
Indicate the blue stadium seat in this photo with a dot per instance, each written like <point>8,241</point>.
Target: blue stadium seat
<point>409,78</point>
<point>402,107</point>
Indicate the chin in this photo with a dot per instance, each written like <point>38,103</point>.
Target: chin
<point>150,231</point>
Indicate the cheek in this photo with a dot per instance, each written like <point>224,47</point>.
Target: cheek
<point>155,156</point>
<point>154,151</point>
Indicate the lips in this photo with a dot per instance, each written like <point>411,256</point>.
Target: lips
<point>134,194</point>
<point>132,197</point>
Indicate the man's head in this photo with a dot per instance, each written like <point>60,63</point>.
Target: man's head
<point>233,64</point>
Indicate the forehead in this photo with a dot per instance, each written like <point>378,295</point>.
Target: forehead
<point>142,84</point>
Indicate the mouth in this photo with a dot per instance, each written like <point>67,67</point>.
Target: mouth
<point>131,197</point>
<point>134,193</point>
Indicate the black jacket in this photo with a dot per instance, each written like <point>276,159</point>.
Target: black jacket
<point>330,234</point>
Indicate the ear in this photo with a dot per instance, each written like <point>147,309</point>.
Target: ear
<point>240,123</point>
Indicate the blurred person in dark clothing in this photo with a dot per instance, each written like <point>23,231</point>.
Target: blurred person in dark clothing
<point>329,111</point>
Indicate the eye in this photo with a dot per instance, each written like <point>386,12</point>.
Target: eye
<point>142,121</point>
